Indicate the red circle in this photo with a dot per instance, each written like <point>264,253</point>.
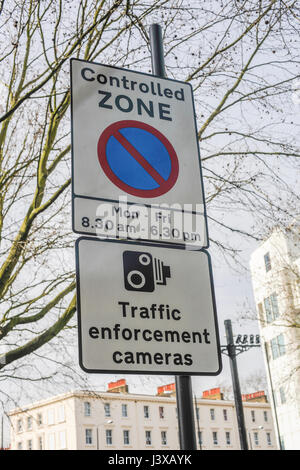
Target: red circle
<point>102,157</point>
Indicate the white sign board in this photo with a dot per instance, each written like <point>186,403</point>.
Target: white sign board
<point>136,169</point>
<point>145,308</point>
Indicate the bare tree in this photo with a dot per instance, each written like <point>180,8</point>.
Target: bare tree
<point>241,58</point>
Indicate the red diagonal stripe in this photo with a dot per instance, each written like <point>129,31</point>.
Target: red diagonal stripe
<point>139,158</point>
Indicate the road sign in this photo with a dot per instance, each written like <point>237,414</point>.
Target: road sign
<point>127,152</point>
<point>134,145</point>
<point>145,324</point>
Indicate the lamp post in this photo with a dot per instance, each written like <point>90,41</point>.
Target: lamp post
<point>232,351</point>
<point>236,386</point>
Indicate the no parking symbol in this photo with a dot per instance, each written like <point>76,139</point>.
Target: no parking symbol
<point>138,159</point>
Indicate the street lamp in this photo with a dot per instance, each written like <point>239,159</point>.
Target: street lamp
<point>232,349</point>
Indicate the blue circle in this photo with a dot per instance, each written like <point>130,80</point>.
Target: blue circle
<point>128,169</point>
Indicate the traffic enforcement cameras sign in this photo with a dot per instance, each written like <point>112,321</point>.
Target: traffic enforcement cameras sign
<point>132,315</point>
<point>136,169</point>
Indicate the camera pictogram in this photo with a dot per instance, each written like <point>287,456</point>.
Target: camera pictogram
<point>142,272</point>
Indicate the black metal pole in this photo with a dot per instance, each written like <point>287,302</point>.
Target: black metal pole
<point>183,383</point>
<point>236,386</point>
<point>157,51</point>
<point>198,426</point>
<point>186,422</point>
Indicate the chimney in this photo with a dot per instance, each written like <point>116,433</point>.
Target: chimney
<point>213,394</point>
<point>166,390</point>
<point>118,387</point>
<point>256,396</point>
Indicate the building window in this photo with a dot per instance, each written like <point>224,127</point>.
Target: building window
<point>146,412</point>
<point>215,438</point>
<point>20,446</point>
<point>62,440</point>
<point>225,415</point>
<point>29,423</point>
<point>87,408</point>
<point>277,346</point>
<point>256,442</point>
<point>200,438</point>
<point>253,416</point>
<point>268,311</point>
<point>271,307</point>
<point>29,444</point>
<point>163,435</point>
<point>20,425</point>
<point>212,414</point>
<point>148,438</point>
<point>227,437</point>
<point>267,261</point>
<point>161,412</point>
<point>265,416</point>
<point>282,395</point>
<point>107,410</point>
<point>269,442</point>
<point>51,441</point>
<point>40,419</point>
<point>89,436</point>
<point>61,414</point>
<point>124,411</point>
<point>197,413</point>
<point>274,305</point>
<point>108,436</point>
<point>40,443</point>
<point>50,416</point>
<point>126,437</point>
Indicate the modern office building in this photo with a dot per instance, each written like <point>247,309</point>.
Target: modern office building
<point>118,420</point>
<point>275,271</point>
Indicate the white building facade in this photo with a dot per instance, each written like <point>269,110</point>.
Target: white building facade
<point>275,271</point>
<point>123,421</point>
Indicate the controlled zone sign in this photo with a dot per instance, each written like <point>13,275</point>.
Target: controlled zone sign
<point>133,316</point>
<point>136,169</point>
